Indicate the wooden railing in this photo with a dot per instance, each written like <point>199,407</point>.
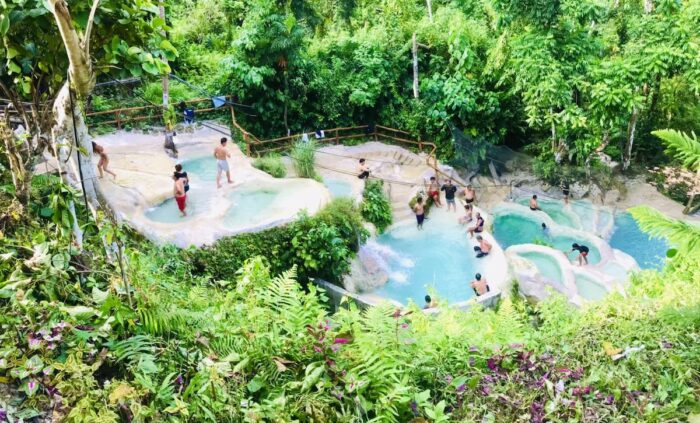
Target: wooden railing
<point>122,116</point>
<point>338,135</point>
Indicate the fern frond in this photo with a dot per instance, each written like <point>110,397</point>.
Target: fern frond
<point>685,235</point>
<point>682,146</point>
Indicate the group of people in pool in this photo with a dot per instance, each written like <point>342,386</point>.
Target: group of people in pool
<point>182,181</point>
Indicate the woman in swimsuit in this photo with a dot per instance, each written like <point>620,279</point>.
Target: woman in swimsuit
<point>104,160</point>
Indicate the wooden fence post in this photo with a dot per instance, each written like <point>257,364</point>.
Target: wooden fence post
<point>117,118</point>
<point>337,137</point>
<point>247,144</point>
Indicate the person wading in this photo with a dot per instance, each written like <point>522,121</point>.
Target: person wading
<point>222,155</point>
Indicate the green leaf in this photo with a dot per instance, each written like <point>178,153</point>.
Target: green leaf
<point>13,67</point>
<point>4,24</point>
<point>46,212</point>
<point>255,384</point>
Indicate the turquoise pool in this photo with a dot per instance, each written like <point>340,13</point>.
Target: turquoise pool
<point>555,210</point>
<point>249,207</point>
<point>438,259</point>
<point>649,252</point>
<point>203,168</point>
<point>338,187</point>
<point>513,229</point>
<point>547,265</point>
<point>167,211</point>
<point>589,288</point>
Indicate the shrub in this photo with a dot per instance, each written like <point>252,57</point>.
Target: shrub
<point>376,208</point>
<point>271,164</point>
<point>344,215</point>
<point>320,246</point>
<point>303,154</point>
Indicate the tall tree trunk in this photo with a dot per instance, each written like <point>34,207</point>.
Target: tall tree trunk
<point>72,143</point>
<point>631,128</point>
<point>166,89</point>
<point>648,6</point>
<point>415,66</point>
<point>429,4</point>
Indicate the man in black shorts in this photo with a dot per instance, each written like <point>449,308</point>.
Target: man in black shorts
<point>582,253</point>
<point>565,190</point>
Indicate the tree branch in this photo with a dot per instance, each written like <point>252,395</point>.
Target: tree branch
<point>80,69</point>
<point>88,30</point>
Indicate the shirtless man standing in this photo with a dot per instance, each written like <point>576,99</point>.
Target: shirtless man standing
<point>434,191</point>
<point>179,193</point>
<point>222,154</point>
<point>469,194</point>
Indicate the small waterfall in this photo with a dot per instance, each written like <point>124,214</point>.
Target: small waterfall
<point>381,262</point>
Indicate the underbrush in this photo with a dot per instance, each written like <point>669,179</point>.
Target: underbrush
<point>320,246</point>
<point>303,155</point>
<point>194,336</point>
<point>271,164</point>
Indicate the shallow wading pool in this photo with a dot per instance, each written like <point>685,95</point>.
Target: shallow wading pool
<point>514,229</point>
<point>438,259</point>
<point>547,265</point>
<point>339,188</point>
<point>589,288</point>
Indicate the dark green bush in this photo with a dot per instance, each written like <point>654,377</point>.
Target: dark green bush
<point>320,246</point>
<point>376,208</point>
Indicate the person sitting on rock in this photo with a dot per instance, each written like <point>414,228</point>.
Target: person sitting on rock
<point>534,206</point>
<point>363,169</point>
<point>478,228</point>
<point>467,215</point>
<point>480,285</point>
<point>484,247</point>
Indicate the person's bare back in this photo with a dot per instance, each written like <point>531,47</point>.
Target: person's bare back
<point>179,187</point>
<point>221,153</point>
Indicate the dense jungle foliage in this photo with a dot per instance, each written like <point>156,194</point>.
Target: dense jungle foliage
<point>172,338</point>
<point>567,79</point>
